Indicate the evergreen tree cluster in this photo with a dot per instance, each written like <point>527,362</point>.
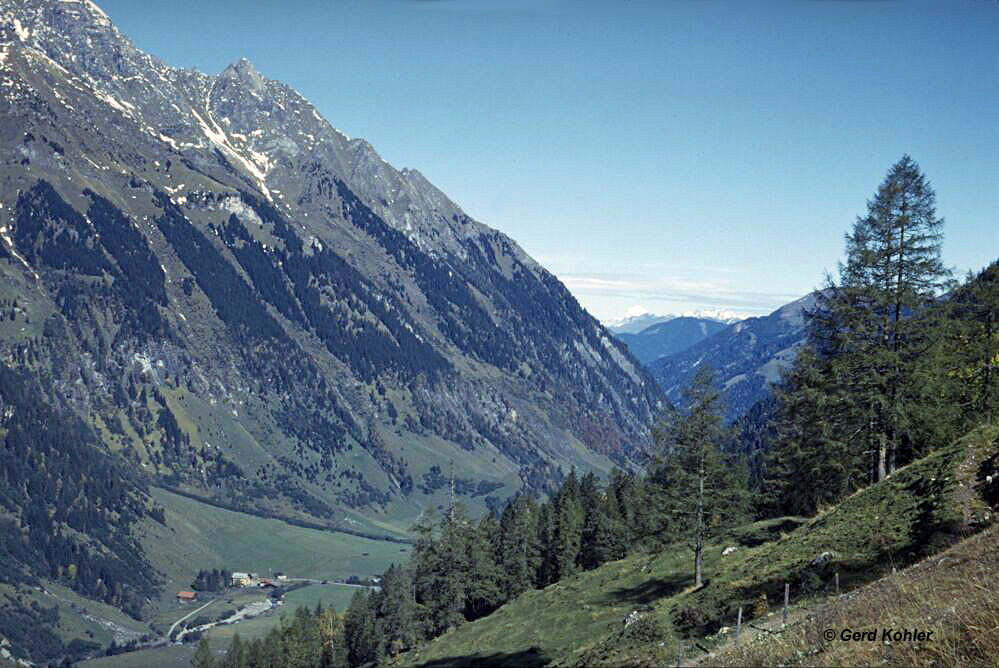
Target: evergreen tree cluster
<point>102,245</point>
<point>66,513</point>
<point>213,580</point>
<point>898,360</point>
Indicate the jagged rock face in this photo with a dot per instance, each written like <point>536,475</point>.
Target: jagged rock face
<point>248,303</point>
<point>748,357</point>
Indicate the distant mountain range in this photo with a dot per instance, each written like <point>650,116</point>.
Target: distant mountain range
<point>636,323</point>
<point>747,356</point>
<point>668,337</point>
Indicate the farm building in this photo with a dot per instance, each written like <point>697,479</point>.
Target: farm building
<point>187,596</point>
<point>244,579</point>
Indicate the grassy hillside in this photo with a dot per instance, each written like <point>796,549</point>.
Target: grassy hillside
<point>642,609</point>
<point>171,656</point>
<point>951,594</point>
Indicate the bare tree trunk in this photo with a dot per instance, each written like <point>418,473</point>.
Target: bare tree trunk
<point>698,550</point>
<point>989,364</point>
<point>699,538</point>
<point>882,457</point>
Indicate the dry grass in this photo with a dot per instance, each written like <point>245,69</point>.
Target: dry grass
<point>952,594</point>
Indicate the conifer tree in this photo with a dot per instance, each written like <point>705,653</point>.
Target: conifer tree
<point>360,632</point>
<point>702,491</point>
<point>567,528</point>
<point>603,531</point>
<point>809,464</point>
<point>395,606</point>
<point>332,638</point>
<point>547,570</point>
<point>484,590</point>
<point>302,640</point>
<point>440,568</point>
<point>517,550</point>
<point>203,657</point>
<point>234,657</point>
<point>975,312</point>
<point>872,323</point>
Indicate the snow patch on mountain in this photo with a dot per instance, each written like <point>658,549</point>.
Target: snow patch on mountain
<point>221,141</point>
<point>22,33</point>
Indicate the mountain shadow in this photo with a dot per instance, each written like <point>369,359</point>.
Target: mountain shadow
<point>651,590</point>
<point>528,658</point>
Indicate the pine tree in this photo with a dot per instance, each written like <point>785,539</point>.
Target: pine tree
<point>395,606</point>
<point>440,572</point>
<point>975,312</point>
<point>484,590</point>
<point>603,529</point>
<point>203,657</point>
<point>360,632</point>
<point>809,465</point>
<point>873,320</point>
<point>302,639</point>
<point>518,551</point>
<point>703,494</point>
<point>234,657</point>
<point>567,528</point>
<point>637,505</point>
<point>547,570</point>
<point>333,638</point>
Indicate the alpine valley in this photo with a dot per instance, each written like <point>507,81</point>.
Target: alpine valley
<point>267,401</point>
<point>219,294</point>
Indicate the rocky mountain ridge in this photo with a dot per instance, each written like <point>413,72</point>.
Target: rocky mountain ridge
<point>249,304</point>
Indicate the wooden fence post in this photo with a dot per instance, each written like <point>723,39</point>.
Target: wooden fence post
<point>787,595</point>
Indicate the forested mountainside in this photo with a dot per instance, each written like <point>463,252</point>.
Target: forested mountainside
<point>244,303</point>
<point>747,356</point>
<point>66,512</point>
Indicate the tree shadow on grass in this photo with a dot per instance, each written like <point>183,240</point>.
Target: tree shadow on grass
<point>530,658</point>
<point>651,590</point>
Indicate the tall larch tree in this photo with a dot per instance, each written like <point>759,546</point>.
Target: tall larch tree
<point>702,488</point>
<point>892,276</point>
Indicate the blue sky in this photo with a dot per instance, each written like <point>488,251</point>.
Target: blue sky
<point>669,155</point>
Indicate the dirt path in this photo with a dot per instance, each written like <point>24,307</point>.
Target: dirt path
<point>193,612</point>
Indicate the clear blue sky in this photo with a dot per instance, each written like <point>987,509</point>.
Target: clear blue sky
<point>672,155</point>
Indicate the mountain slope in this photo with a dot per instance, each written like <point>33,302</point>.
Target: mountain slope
<point>668,338</point>
<point>67,510</point>
<point>747,357</point>
<point>247,304</point>
<point>955,585</point>
<point>642,610</point>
